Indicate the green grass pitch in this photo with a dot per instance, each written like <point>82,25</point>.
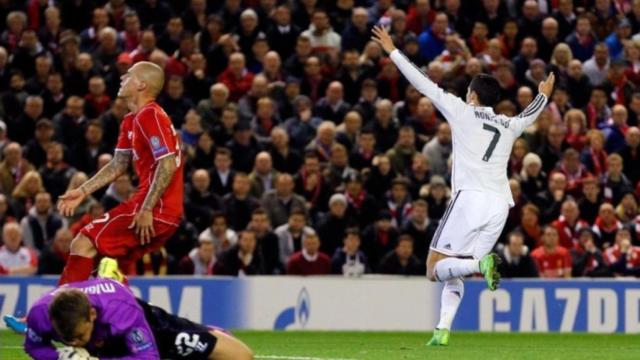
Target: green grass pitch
<point>400,346</point>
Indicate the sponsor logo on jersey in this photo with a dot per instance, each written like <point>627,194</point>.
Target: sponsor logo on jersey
<point>139,341</point>
<point>157,147</point>
<point>33,336</point>
<point>155,142</point>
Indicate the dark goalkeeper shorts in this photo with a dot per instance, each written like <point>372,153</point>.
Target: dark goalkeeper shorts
<point>178,338</point>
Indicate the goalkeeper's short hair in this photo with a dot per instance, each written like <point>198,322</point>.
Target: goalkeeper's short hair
<point>69,308</point>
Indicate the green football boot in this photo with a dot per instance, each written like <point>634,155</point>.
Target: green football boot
<point>489,269</point>
<point>108,269</point>
<point>440,338</point>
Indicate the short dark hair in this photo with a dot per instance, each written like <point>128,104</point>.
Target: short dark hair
<point>298,212</point>
<point>311,154</point>
<point>405,237</point>
<point>486,88</point>
<point>68,309</point>
<point>367,131</point>
<point>515,233</point>
<point>219,215</point>
<point>223,152</point>
<point>352,231</point>
<point>95,123</point>
<point>258,212</point>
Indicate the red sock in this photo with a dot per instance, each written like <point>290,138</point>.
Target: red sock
<point>78,268</point>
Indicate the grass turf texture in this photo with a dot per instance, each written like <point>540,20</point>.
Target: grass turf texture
<point>397,345</point>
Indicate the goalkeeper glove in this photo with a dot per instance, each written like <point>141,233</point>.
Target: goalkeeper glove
<point>74,353</point>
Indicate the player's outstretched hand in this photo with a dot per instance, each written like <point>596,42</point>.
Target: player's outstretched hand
<point>382,37</point>
<point>68,202</point>
<point>546,87</point>
<point>143,224</point>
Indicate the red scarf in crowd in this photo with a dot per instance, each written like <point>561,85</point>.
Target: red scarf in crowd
<point>357,201</point>
<point>383,237</point>
<point>607,228</point>
<point>316,192</point>
<point>568,233</point>
<point>599,161</point>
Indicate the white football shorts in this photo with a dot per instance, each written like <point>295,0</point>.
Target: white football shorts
<point>471,224</point>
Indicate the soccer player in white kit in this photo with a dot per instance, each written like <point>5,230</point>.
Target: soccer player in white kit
<point>482,142</point>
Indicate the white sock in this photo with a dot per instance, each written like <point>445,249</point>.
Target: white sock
<point>451,268</point>
<point>452,293</point>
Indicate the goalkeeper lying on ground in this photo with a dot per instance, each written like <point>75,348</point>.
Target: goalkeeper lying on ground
<point>101,319</point>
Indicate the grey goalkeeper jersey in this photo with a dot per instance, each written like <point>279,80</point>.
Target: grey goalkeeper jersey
<point>482,140</point>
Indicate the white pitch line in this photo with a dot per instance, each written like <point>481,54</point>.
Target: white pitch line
<point>11,347</point>
<point>281,357</point>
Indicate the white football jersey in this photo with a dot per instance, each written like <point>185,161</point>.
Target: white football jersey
<point>482,140</point>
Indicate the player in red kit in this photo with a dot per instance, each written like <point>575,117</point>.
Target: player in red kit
<point>552,260</point>
<point>145,221</point>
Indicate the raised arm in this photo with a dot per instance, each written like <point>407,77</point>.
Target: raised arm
<point>529,115</point>
<point>447,103</point>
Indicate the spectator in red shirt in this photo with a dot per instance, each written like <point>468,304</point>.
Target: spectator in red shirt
<point>574,171</point>
<point>309,261</point>
<point>623,258</point>
<point>553,260</point>
<point>569,224</point>
<point>420,16</point>
<point>236,77</point>
<point>606,226</point>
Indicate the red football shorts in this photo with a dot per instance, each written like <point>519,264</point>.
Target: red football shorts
<point>112,237</point>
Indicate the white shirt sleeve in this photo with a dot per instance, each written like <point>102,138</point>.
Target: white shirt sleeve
<point>447,103</point>
<point>529,115</point>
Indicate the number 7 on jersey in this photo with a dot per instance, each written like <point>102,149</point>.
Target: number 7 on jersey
<point>493,143</point>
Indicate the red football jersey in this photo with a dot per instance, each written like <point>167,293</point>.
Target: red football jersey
<point>612,255</point>
<point>150,136</point>
<point>552,264</point>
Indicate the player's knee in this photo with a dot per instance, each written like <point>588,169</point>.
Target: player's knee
<point>431,273</point>
<point>82,246</point>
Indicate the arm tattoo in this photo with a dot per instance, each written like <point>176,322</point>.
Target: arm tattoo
<point>116,167</point>
<point>161,179</point>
